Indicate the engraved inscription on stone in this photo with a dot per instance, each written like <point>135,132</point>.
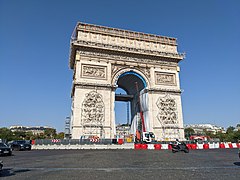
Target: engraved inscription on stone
<point>165,78</point>
<point>91,71</point>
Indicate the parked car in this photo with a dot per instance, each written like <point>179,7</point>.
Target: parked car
<point>20,145</point>
<point>1,166</point>
<point>5,149</point>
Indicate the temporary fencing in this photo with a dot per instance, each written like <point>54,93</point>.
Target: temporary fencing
<point>204,146</point>
<point>121,143</point>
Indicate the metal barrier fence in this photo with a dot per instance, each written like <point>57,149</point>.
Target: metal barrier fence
<point>73,141</point>
<point>98,141</point>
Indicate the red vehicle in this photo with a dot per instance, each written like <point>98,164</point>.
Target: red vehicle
<point>201,138</point>
<point>239,150</point>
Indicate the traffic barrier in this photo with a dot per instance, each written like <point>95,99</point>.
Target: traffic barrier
<point>226,145</point>
<point>157,146</point>
<point>94,139</point>
<point>234,145</point>
<point>221,145</point>
<point>169,146</point>
<point>199,146</point>
<point>114,141</point>
<point>150,146</point>
<point>193,146</point>
<point>205,146</point>
<point>230,145</point>
<point>129,140</point>
<point>164,146</point>
<point>137,146</point>
<point>216,145</point>
<point>189,146</point>
<point>120,141</point>
<point>212,146</point>
<point>144,146</point>
<point>55,140</point>
<point>32,142</point>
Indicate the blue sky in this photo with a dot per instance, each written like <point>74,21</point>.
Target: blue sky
<point>35,80</point>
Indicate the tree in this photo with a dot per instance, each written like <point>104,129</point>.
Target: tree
<point>236,136</point>
<point>188,132</point>
<point>60,135</point>
<point>50,133</point>
<point>6,134</point>
<point>230,129</point>
<point>208,133</point>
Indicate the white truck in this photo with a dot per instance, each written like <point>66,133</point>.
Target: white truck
<point>148,137</point>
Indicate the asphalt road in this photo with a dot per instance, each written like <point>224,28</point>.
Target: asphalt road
<point>121,164</point>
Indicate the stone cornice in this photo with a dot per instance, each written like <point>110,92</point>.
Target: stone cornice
<point>126,57</point>
<point>122,41</point>
<point>165,90</point>
<point>83,43</point>
<point>125,33</point>
<point>110,87</point>
<point>91,86</point>
<point>168,59</point>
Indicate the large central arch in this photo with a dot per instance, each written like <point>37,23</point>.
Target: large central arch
<point>104,59</point>
<point>132,83</point>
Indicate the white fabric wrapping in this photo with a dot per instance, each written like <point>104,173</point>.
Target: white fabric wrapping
<point>134,125</point>
<point>145,109</point>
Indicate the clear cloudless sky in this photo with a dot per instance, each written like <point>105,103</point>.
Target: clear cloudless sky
<point>35,80</point>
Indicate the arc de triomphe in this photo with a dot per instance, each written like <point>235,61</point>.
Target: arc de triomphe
<point>103,59</point>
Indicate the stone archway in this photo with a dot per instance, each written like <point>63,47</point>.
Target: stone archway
<point>132,83</point>
<point>103,59</point>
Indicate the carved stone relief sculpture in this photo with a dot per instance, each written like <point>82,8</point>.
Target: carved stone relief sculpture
<point>167,115</point>
<point>90,71</point>
<point>93,109</point>
<point>165,78</point>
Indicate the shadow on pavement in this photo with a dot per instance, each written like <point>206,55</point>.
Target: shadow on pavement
<point>237,163</point>
<point>11,172</point>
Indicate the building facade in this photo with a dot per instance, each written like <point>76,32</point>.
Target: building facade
<point>201,129</point>
<point>104,59</point>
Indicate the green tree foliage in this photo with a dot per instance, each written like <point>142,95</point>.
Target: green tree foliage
<point>5,133</point>
<point>50,133</point>
<point>230,129</point>
<point>188,132</point>
<point>8,135</point>
<point>231,135</point>
<point>60,135</point>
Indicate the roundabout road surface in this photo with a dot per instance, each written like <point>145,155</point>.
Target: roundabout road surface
<point>121,164</point>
